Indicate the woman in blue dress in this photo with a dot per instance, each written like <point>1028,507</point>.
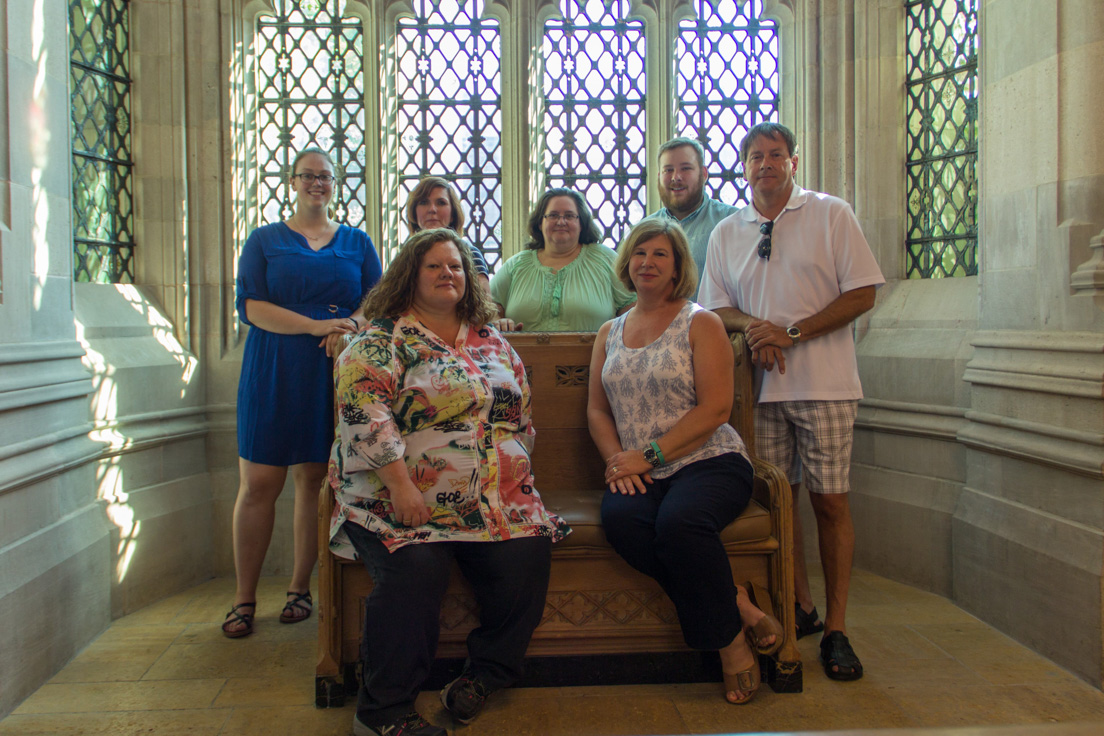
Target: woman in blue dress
<point>299,283</point>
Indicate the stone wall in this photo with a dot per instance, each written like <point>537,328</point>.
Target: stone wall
<point>54,539</point>
<point>104,499</point>
<point>1028,534</point>
<point>979,448</point>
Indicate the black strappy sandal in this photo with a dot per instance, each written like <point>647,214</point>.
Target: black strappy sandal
<point>287,616</point>
<point>807,622</point>
<point>235,617</point>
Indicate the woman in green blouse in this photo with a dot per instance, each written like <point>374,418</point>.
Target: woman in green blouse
<point>564,280</point>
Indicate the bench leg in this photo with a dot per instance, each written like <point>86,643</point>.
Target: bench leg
<point>783,677</point>
<point>329,692</point>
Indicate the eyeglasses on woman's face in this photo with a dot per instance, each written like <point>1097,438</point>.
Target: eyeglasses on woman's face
<point>309,179</point>
<point>557,216</point>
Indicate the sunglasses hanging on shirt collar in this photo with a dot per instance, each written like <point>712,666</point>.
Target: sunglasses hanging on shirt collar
<point>765,244</point>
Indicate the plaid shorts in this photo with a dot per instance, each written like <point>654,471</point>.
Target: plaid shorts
<point>810,436</point>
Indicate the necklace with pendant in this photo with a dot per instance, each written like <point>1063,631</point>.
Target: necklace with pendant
<point>304,233</point>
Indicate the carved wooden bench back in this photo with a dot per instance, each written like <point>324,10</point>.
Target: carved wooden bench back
<point>558,368</point>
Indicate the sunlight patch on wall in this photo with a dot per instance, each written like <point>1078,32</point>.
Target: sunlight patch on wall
<point>120,513</point>
<point>104,400</point>
<point>162,332</point>
<point>109,475</point>
<point>137,365</point>
<point>39,150</point>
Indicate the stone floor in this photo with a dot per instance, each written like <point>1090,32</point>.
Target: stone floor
<point>167,670</point>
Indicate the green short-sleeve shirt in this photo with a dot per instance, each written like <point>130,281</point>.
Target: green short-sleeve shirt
<point>580,297</point>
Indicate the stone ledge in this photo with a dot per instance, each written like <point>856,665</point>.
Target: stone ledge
<point>1072,542</point>
<point>36,352</point>
<point>36,554</point>
<point>1066,449</point>
<point>24,398</point>
<point>919,420</point>
<point>31,378</point>
<point>150,429</point>
<point>1062,341</point>
<point>45,456</point>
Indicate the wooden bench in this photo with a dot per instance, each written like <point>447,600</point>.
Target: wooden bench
<point>596,603</point>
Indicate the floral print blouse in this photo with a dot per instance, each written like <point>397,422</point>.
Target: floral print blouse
<point>458,416</point>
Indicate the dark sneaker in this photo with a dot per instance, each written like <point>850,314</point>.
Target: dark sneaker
<point>464,698</point>
<point>411,724</point>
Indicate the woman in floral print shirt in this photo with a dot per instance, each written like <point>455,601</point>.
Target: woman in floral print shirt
<point>431,465</point>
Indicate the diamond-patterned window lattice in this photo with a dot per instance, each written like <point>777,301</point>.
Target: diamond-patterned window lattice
<point>594,84</point>
<point>103,211</point>
<point>941,96</point>
<point>310,92</point>
<point>449,111</point>
<point>726,82</point>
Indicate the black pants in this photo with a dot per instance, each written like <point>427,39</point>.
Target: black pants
<point>402,613</point>
<point>672,533</point>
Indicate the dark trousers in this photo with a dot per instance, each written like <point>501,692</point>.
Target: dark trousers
<point>402,613</point>
<point>672,533</point>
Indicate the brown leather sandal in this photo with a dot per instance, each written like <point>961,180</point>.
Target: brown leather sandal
<point>235,617</point>
<point>746,681</point>
<point>767,626</point>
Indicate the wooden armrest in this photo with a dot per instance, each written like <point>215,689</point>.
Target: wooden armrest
<point>774,493</point>
<point>742,417</point>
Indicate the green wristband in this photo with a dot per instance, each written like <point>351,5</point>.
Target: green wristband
<point>659,453</point>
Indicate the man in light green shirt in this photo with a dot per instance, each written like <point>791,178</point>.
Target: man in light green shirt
<point>681,182</point>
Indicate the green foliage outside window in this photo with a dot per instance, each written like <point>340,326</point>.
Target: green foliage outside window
<point>103,212</point>
<point>941,112</point>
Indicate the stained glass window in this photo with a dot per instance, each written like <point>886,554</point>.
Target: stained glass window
<point>449,111</point>
<point>941,96</point>
<point>103,185</point>
<point>594,98</point>
<point>726,81</point>
<point>442,100</point>
<point>310,92</point>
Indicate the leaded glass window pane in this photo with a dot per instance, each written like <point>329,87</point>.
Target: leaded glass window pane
<point>103,201</point>
<point>594,85</point>
<point>310,93</point>
<point>941,96</point>
<point>726,81</point>
<point>449,111</point>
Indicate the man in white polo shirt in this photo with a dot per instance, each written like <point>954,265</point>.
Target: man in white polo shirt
<point>792,270</point>
<point>681,181</point>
